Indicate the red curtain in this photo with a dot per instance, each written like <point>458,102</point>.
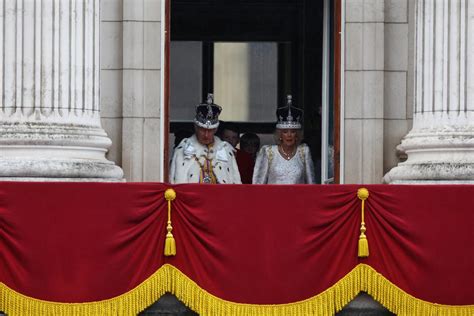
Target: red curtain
<point>260,244</point>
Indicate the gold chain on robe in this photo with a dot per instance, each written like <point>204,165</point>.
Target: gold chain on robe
<point>206,175</point>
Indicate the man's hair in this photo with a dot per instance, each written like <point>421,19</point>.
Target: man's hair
<point>230,127</point>
<point>250,139</point>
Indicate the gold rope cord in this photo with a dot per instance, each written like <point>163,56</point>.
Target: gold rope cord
<point>170,242</point>
<point>363,248</point>
<point>170,279</point>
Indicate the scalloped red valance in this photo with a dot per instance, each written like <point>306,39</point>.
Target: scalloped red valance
<point>99,248</point>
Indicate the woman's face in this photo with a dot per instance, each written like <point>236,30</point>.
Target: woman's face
<point>288,137</point>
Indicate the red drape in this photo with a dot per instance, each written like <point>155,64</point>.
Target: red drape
<point>82,242</point>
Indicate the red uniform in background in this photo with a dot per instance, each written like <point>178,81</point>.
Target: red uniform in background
<point>245,162</point>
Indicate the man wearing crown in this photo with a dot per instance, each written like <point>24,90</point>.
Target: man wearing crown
<point>203,157</point>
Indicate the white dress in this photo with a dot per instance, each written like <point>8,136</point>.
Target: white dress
<point>272,168</point>
<point>190,156</point>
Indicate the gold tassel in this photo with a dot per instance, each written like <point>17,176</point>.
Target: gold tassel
<point>170,243</point>
<point>363,244</point>
<point>363,251</point>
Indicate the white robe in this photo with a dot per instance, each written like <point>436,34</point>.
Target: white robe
<point>185,168</point>
<point>272,168</point>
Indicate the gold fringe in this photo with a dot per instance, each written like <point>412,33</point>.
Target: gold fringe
<point>170,279</point>
<point>130,303</point>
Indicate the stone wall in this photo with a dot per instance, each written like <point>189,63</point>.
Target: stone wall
<point>131,85</point>
<point>399,76</point>
<point>378,85</point>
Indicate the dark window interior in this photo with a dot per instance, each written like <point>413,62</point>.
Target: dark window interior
<point>297,27</point>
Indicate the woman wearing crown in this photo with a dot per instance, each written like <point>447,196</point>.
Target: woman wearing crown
<point>287,162</point>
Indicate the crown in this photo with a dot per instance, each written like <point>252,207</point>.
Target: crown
<point>207,114</point>
<point>289,117</point>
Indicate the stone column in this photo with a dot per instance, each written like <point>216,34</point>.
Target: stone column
<point>49,87</point>
<point>440,146</point>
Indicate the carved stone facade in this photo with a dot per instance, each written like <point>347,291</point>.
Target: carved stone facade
<point>378,86</point>
<point>56,55</point>
<point>440,146</point>
<point>49,83</point>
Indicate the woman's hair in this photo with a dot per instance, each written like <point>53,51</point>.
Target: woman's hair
<point>277,136</point>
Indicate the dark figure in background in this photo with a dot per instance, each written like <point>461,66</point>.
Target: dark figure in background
<point>250,143</point>
<point>230,133</point>
<point>181,134</point>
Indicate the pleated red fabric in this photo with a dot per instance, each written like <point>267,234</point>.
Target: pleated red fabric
<point>256,244</point>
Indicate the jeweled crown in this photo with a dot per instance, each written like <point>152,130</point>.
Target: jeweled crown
<point>289,116</point>
<point>207,114</point>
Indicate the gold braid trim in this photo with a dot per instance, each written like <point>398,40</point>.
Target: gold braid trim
<point>170,279</point>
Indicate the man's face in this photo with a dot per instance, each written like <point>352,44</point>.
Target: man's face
<point>231,137</point>
<point>205,136</point>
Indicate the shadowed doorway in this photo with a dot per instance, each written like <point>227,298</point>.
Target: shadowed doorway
<point>250,54</point>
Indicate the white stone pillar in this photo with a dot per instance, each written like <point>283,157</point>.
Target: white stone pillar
<point>49,88</point>
<point>440,146</point>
